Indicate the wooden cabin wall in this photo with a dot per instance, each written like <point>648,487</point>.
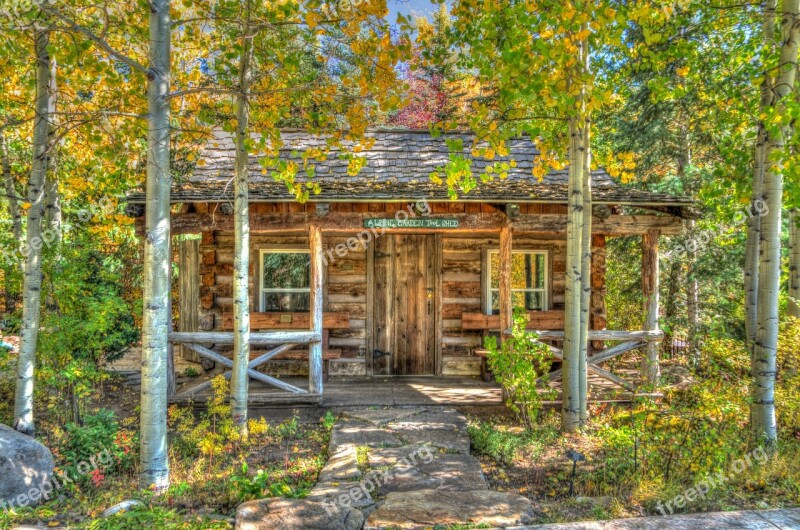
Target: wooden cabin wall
<point>462,277</point>
<point>345,285</point>
<point>463,281</point>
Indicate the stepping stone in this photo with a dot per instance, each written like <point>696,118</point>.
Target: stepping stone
<point>428,508</point>
<point>352,433</point>
<point>441,428</point>
<point>382,416</point>
<point>296,514</point>
<point>411,468</point>
<point>355,494</point>
<point>342,466</point>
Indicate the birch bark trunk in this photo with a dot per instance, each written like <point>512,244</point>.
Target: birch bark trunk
<point>794,263</point>
<point>156,291</point>
<point>753,248</point>
<point>767,324</point>
<point>579,255</point>
<point>32,283</point>
<point>241,223</point>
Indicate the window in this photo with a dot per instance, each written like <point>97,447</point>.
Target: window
<point>285,280</point>
<point>528,281</point>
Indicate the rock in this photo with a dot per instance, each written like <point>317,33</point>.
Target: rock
<point>296,514</point>
<point>428,508</point>
<point>446,429</point>
<point>351,433</point>
<point>382,416</point>
<point>427,469</point>
<point>342,466</point>
<point>26,470</point>
<point>123,506</point>
<point>332,492</point>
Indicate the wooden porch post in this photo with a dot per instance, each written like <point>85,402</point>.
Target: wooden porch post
<point>188,292</point>
<point>599,291</point>
<point>315,348</point>
<point>506,305</point>
<point>651,371</point>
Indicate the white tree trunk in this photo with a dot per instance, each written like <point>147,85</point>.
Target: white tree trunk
<point>52,201</point>
<point>753,248</point>
<point>586,272</point>
<point>32,283</point>
<point>794,263</point>
<point>766,340</point>
<point>241,223</point>
<point>571,393</point>
<point>156,291</point>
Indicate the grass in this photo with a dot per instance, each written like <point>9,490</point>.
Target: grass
<point>279,459</point>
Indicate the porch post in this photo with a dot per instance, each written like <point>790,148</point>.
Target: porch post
<point>599,291</point>
<point>506,305</point>
<point>651,371</point>
<point>315,348</point>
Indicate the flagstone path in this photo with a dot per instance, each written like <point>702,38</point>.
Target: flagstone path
<point>398,468</point>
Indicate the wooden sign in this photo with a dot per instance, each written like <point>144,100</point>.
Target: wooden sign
<point>420,222</point>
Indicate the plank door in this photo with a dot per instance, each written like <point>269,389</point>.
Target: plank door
<point>404,305</point>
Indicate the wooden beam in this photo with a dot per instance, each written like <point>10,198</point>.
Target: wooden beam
<point>188,291</point>
<point>545,320</point>
<point>274,320</point>
<point>297,223</point>
<point>315,375</point>
<point>608,334</point>
<point>264,338</point>
<point>258,376</point>
<point>651,370</point>
<point>504,254</point>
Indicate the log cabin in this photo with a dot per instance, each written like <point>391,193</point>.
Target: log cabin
<point>383,273</point>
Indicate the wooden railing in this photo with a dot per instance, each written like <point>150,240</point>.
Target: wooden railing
<point>201,342</point>
<point>628,340</point>
<point>282,341</point>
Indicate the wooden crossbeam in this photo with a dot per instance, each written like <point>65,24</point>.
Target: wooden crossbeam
<point>258,376</point>
<point>262,338</point>
<point>258,361</point>
<point>594,360</point>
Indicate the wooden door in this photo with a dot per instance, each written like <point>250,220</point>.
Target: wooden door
<point>404,305</point>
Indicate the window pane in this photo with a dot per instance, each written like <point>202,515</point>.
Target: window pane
<point>494,270</point>
<point>527,270</point>
<point>278,301</point>
<point>286,270</point>
<point>531,301</point>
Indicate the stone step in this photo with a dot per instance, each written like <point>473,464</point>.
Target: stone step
<point>296,514</point>
<point>417,510</point>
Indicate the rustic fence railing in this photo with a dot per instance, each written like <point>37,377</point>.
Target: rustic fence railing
<point>628,340</point>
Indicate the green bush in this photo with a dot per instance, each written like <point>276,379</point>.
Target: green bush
<point>97,442</point>
<point>517,363</point>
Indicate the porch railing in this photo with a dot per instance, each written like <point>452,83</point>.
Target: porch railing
<point>628,340</point>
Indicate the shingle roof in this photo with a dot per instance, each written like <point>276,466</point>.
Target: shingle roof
<point>397,168</point>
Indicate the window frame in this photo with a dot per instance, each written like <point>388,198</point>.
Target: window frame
<point>487,287</point>
<point>262,290</point>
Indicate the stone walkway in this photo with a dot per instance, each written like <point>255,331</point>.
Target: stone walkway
<point>745,520</point>
<point>398,468</point>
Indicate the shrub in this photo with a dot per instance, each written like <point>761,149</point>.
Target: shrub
<point>99,443</point>
<point>517,363</point>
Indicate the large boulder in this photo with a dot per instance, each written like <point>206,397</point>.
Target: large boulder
<point>26,470</point>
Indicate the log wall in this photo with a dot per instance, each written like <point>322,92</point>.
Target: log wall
<point>345,283</point>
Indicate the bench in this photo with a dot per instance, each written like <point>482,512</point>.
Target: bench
<point>537,320</point>
<point>295,321</point>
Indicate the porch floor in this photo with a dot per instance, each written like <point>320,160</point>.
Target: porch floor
<point>406,392</point>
